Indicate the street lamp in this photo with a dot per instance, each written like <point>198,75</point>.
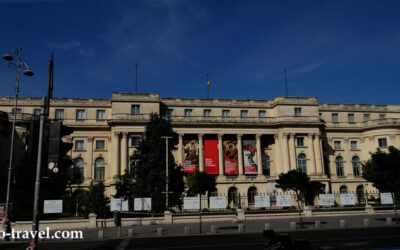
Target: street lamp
<point>27,71</point>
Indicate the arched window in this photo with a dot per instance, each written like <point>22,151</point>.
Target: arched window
<point>355,161</point>
<point>250,195</point>
<point>132,164</point>
<point>265,165</point>
<point>99,166</point>
<point>339,166</point>
<point>302,163</point>
<point>78,169</point>
<point>343,189</point>
<point>360,194</point>
<point>233,196</point>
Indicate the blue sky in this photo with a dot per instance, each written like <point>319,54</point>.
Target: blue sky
<point>338,51</point>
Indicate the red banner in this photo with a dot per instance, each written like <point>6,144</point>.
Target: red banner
<point>211,156</point>
<point>230,157</point>
<point>250,157</point>
<point>191,150</point>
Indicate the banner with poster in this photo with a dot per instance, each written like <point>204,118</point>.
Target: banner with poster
<point>347,199</point>
<point>53,206</point>
<point>191,155</point>
<point>386,198</point>
<point>249,157</point>
<point>142,204</point>
<point>191,203</point>
<point>326,200</point>
<point>261,201</point>
<point>217,202</point>
<point>230,157</point>
<point>211,165</point>
<point>116,205</point>
<point>283,200</point>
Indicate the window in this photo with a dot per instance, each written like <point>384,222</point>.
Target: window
<point>135,109</point>
<point>353,145</point>
<point>350,118</point>
<point>79,145</point>
<point>250,195</point>
<point>339,166</point>
<point>226,113</point>
<point>382,116</point>
<point>337,145</point>
<point>355,161</point>
<point>37,111</point>
<point>59,114</point>
<point>135,141</point>
<point>169,112</point>
<point>78,171</point>
<point>343,189</point>
<point>99,166</point>
<point>300,141</point>
<point>382,142</point>
<point>301,163</point>
<point>19,111</point>
<point>100,145</point>
<point>80,114</point>
<point>297,111</point>
<point>207,112</point>
<point>244,113</point>
<point>367,117</point>
<point>101,114</point>
<point>265,165</point>
<point>262,113</point>
<point>188,112</point>
<point>335,117</point>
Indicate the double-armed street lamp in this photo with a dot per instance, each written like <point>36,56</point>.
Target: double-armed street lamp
<point>19,65</point>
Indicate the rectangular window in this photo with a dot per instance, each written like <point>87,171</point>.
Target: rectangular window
<point>37,111</point>
<point>101,114</point>
<point>207,112</point>
<point>350,118</point>
<point>335,117</point>
<point>226,113</point>
<point>80,114</point>
<point>135,141</point>
<point>353,145</point>
<point>59,114</point>
<point>337,145</point>
<point>135,109</point>
<point>169,112</point>
<point>300,141</point>
<point>79,145</point>
<point>244,113</point>
<point>367,117</point>
<point>382,116</point>
<point>100,144</point>
<point>19,111</point>
<point>297,111</point>
<point>382,142</point>
<point>188,112</point>
<point>262,113</point>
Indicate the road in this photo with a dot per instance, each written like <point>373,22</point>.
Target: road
<point>361,238</point>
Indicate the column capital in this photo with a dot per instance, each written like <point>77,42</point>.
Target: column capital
<point>239,136</point>
<point>258,136</point>
<point>117,133</point>
<point>200,135</point>
<point>124,134</point>
<point>220,136</point>
<point>292,135</point>
<point>180,134</point>
<point>286,134</point>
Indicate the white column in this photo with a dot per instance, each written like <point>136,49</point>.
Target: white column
<point>201,153</point>
<point>88,171</point>
<point>240,153</point>
<point>124,153</point>
<point>278,156</point>
<point>115,158</point>
<point>311,169</point>
<point>318,155</point>
<point>180,150</point>
<point>259,152</point>
<point>285,153</point>
<point>292,153</point>
<point>220,156</point>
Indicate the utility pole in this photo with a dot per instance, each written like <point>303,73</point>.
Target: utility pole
<point>166,171</point>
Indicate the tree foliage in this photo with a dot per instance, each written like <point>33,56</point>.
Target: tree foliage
<point>92,200</point>
<point>294,180</point>
<point>200,183</point>
<point>149,176</point>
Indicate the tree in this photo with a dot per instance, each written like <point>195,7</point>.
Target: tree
<point>383,170</point>
<point>149,176</point>
<point>92,200</point>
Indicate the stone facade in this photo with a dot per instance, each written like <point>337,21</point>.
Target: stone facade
<point>327,140</point>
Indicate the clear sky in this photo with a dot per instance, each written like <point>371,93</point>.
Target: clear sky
<point>339,51</point>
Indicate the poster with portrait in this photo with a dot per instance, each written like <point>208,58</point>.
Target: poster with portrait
<point>211,165</point>
<point>230,157</point>
<point>249,156</point>
<point>191,155</point>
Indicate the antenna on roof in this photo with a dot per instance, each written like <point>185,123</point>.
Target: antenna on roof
<point>284,70</point>
<point>136,80</point>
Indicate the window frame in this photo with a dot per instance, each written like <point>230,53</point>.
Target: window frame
<point>169,112</point>
<point>80,111</point>
<point>98,112</point>
<point>262,113</point>
<point>207,112</point>
<point>335,117</point>
<point>353,143</point>
<point>339,143</point>
<point>244,113</point>
<point>297,111</point>
<point>80,168</point>
<point>351,118</point>
<point>339,164</point>
<point>56,112</point>
<point>382,140</point>
<point>134,138</point>
<point>135,109</point>
<point>367,117</point>
<point>188,112</point>
<point>302,162</point>
<point>79,142</point>
<point>99,169</point>
<point>104,145</point>
<point>355,163</point>
<point>226,113</point>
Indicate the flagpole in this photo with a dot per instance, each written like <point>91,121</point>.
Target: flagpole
<point>208,89</point>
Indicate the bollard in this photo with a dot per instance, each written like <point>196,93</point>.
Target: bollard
<point>388,221</point>
<point>130,232</point>
<point>213,229</point>
<point>267,226</point>
<point>292,225</point>
<point>366,222</point>
<point>241,228</point>
<point>101,234</point>
<point>159,231</point>
<point>342,223</point>
<point>317,224</point>
<point>187,230</point>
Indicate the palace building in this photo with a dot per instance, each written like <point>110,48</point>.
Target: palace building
<point>245,143</point>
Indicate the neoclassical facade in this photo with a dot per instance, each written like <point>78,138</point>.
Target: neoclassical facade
<point>245,143</point>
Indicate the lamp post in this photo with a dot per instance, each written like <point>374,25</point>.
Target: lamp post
<point>18,65</point>
<point>166,171</point>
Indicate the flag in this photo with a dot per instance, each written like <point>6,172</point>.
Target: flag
<point>208,83</point>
